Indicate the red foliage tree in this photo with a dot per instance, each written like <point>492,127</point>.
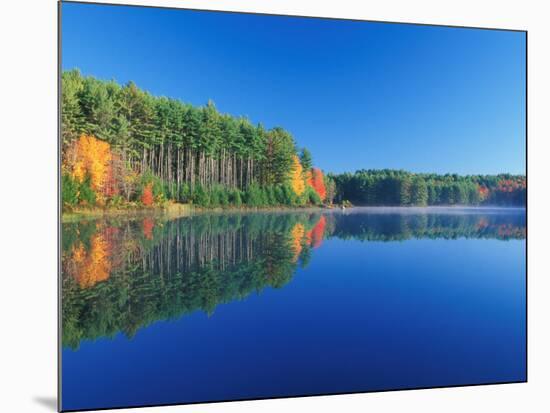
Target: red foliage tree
<point>147,195</point>
<point>318,183</point>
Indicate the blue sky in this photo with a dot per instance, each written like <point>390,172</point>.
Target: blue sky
<point>357,94</point>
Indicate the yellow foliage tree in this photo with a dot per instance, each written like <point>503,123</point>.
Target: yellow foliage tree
<point>93,158</point>
<point>296,177</point>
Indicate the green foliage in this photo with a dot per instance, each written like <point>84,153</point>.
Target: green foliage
<point>223,196</point>
<point>235,197</point>
<point>306,160</point>
<point>116,201</point>
<point>70,189</point>
<point>419,192</point>
<point>279,153</point>
<point>288,195</point>
<point>201,197</point>
<point>405,191</point>
<point>87,196</point>
<point>184,193</point>
<point>279,195</point>
<point>330,186</point>
<point>312,197</point>
<point>270,197</point>
<point>255,196</point>
<point>397,187</point>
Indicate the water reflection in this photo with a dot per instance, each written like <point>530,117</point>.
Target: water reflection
<point>120,275</point>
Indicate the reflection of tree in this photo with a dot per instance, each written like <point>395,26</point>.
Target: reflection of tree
<point>297,239</point>
<point>166,269</point>
<point>315,236</point>
<point>122,275</point>
<point>396,226</point>
<point>91,262</point>
<point>278,261</point>
<point>148,225</point>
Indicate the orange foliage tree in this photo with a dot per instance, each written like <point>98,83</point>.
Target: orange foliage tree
<point>296,177</point>
<point>318,183</point>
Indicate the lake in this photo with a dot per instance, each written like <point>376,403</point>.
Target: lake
<point>268,304</point>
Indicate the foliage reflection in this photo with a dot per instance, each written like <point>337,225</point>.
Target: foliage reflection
<point>121,275</point>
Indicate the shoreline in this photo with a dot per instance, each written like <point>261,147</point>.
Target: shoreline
<point>174,211</point>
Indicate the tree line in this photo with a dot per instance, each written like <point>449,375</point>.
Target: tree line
<point>124,147</point>
<point>397,187</point>
<point>120,145</point>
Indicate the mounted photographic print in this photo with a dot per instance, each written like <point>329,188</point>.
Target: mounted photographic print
<point>261,206</point>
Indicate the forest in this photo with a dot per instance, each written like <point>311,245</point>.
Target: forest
<point>396,187</point>
<point>124,148</point>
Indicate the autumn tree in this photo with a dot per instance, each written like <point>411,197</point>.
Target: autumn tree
<point>147,195</point>
<point>296,177</point>
<point>92,158</point>
<point>318,183</point>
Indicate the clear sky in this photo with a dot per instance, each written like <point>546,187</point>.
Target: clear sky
<point>357,94</point>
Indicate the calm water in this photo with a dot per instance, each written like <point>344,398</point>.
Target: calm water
<point>235,306</point>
